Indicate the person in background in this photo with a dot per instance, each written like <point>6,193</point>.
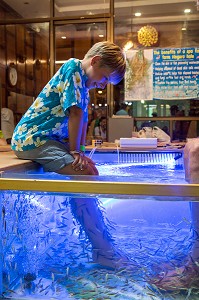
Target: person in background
<point>154,115</point>
<point>7,124</point>
<point>94,123</point>
<point>181,127</point>
<point>123,110</point>
<point>100,131</point>
<point>60,112</point>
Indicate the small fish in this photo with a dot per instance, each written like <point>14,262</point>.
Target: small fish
<point>46,226</point>
<point>188,294</point>
<point>40,280</point>
<point>178,230</point>
<point>44,288</point>
<point>4,225</point>
<point>62,226</point>
<point>186,221</point>
<point>156,251</point>
<point>64,217</point>
<point>80,278</point>
<point>60,209</point>
<point>3,212</point>
<point>121,270</point>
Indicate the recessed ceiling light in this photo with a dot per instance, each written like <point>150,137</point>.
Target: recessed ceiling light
<point>138,14</point>
<point>100,92</point>
<point>101,35</point>
<point>63,37</point>
<point>184,28</point>
<point>187,11</point>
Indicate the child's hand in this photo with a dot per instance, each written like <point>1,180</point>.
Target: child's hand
<point>80,162</point>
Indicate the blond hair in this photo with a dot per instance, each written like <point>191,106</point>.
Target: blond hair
<point>112,57</point>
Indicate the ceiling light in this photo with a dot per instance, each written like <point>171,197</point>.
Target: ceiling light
<point>63,37</point>
<point>60,62</point>
<point>101,35</point>
<point>184,28</point>
<point>138,14</point>
<point>187,11</point>
<point>128,46</point>
<point>100,92</point>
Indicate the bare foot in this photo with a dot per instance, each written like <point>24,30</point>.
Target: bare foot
<point>111,258</point>
<point>179,278</point>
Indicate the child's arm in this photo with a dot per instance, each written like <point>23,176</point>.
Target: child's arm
<point>75,131</point>
<point>83,139</point>
<point>84,131</point>
<point>75,126</point>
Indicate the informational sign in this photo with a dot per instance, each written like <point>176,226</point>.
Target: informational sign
<point>176,73</point>
<point>168,74</point>
<point>139,75</point>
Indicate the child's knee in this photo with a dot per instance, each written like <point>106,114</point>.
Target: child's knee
<point>91,170</point>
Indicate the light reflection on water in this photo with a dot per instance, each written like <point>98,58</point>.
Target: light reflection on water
<point>167,173</point>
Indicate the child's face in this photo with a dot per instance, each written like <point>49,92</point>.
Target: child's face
<point>98,77</point>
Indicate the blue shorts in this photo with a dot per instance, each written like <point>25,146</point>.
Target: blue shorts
<point>53,155</point>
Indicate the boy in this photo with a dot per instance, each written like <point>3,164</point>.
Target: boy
<point>61,111</point>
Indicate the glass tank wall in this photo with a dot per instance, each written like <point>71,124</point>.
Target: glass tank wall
<point>46,253</point>
<point>110,237</point>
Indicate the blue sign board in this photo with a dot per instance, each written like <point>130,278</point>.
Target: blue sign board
<point>176,73</point>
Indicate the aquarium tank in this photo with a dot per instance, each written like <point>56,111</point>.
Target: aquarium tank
<point>104,237</point>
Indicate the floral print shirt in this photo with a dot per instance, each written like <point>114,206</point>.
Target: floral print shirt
<point>47,117</point>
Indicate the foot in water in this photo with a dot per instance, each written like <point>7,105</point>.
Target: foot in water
<point>112,259</point>
<point>180,278</point>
